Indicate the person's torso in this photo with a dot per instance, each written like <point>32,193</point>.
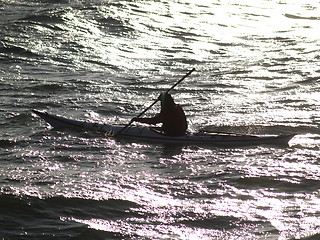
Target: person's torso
<point>174,121</point>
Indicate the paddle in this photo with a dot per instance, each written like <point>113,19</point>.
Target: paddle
<point>126,126</point>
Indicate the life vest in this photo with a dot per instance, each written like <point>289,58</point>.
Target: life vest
<point>174,122</point>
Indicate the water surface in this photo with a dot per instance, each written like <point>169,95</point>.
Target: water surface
<point>257,72</point>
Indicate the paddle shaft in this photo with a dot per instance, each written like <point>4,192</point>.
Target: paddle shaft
<point>144,111</point>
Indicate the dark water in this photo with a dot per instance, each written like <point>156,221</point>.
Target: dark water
<point>257,72</point>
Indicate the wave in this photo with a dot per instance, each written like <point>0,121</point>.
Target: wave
<point>50,87</point>
<point>312,237</point>
<point>69,206</point>
<point>7,143</point>
<point>292,16</point>
<point>220,222</point>
<point>48,217</point>
<point>114,26</point>
<point>46,17</point>
<point>9,49</point>
<point>227,222</point>
<point>21,118</point>
<point>309,80</point>
<point>278,182</point>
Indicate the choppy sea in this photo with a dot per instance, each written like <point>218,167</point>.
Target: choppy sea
<point>257,71</point>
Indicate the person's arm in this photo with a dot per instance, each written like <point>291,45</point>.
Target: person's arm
<point>154,120</point>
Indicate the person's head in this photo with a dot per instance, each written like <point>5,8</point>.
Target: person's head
<point>166,100</point>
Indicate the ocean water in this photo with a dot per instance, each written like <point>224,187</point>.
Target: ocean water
<point>257,71</point>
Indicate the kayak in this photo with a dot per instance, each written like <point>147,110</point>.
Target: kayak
<point>143,133</point>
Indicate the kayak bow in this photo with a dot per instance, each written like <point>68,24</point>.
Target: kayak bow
<point>143,133</point>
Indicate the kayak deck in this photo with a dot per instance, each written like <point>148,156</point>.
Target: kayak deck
<point>142,133</point>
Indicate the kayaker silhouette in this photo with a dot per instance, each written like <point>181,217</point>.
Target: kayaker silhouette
<point>172,117</point>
